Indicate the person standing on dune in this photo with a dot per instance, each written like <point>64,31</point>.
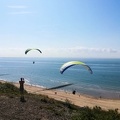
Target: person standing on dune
<point>21,82</point>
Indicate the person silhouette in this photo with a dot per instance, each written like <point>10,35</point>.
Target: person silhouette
<point>21,82</point>
<point>74,91</point>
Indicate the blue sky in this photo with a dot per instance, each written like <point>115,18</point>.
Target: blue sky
<point>60,28</point>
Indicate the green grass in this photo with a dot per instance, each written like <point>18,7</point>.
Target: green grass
<point>9,89</point>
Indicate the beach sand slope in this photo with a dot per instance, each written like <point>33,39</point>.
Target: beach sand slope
<point>76,99</point>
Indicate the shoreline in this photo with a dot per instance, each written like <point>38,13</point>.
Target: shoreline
<point>76,99</point>
<point>103,94</point>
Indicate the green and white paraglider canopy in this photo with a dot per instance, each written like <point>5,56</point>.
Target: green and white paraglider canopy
<point>72,63</point>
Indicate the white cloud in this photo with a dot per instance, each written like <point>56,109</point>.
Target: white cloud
<point>62,52</point>
<point>86,49</point>
<point>19,9</point>
<point>82,52</point>
<point>83,49</point>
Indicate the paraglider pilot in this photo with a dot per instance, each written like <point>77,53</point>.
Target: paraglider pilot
<point>74,91</point>
<point>21,82</point>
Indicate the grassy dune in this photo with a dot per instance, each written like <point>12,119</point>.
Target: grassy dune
<point>40,107</point>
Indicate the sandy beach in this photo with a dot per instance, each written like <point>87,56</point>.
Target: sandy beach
<point>77,99</point>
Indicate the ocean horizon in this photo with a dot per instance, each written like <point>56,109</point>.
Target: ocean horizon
<point>104,82</point>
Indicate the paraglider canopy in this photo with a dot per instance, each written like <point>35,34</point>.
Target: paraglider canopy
<point>26,51</point>
<point>72,63</point>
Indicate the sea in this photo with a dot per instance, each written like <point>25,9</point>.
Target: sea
<point>45,72</point>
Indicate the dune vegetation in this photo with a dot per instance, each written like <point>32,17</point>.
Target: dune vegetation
<point>40,107</point>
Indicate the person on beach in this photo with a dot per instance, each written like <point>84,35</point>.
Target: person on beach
<point>21,82</point>
<point>74,91</point>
